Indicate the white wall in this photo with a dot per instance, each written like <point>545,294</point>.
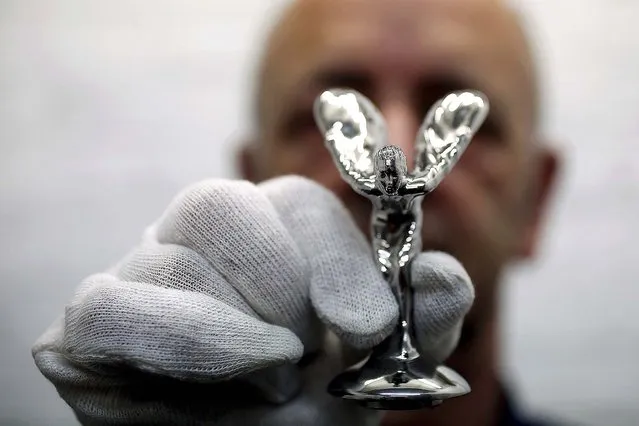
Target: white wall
<point>108,108</point>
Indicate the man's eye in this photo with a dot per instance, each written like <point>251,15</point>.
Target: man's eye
<point>300,122</point>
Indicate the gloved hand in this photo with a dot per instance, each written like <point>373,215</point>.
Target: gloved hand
<point>223,313</point>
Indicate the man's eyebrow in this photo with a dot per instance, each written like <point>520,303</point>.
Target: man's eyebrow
<point>330,77</point>
<point>336,75</point>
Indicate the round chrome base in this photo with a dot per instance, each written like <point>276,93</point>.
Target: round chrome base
<point>390,383</point>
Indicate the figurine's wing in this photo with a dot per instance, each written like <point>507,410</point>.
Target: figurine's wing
<point>353,130</point>
<point>444,135</point>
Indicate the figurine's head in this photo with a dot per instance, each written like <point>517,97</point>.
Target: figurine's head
<point>390,169</point>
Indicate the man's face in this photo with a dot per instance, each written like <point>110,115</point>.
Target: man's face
<point>404,55</point>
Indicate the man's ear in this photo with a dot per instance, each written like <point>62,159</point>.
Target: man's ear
<point>544,180</point>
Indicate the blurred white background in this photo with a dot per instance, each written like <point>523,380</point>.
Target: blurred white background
<point>107,109</point>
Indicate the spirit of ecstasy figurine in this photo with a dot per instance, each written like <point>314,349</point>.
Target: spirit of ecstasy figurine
<point>395,376</point>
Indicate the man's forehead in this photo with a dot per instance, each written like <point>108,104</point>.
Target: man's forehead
<point>467,40</point>
<point>320,27</point>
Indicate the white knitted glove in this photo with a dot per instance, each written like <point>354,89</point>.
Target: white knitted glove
<point>219,316</point>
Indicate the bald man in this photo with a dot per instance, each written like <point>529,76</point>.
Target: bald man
<point>405,55</point>
<point>245,298</point>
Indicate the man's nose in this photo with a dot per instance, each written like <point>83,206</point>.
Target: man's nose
<point>402,128</point>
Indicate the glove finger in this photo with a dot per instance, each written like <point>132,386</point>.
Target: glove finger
<point>347,290</point>
<point>180,268</point>
<point>136,398</point>
<point>443,295</point>
<point>173,266</point>
<point>139,399</point>
<point>170,332</point>
<point>235,228</point>
<point>275,385</point>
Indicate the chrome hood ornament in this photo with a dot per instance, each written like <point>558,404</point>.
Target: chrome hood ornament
<point>395,376</point>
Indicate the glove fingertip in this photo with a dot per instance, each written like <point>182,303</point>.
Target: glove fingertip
<point>361,325</point>
<point>441,272</point>
<point>443,296</point>
<point>294,347</point>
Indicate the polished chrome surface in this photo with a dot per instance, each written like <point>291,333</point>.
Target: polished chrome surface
<point>354,129</point>
<point>395,376</point>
